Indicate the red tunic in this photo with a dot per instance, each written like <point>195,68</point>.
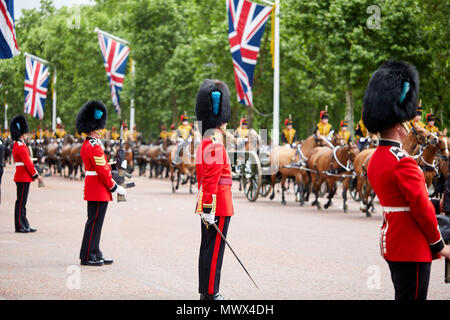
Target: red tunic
<point>409,231</point>
<point>25,170</point>
<point>98,183</point>
<point>214,178</point>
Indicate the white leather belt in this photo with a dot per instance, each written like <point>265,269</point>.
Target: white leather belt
<point>19,164</point>
<point>90,173</point>
<point>396,209</point>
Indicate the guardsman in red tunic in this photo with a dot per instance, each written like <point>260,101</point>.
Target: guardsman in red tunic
<point>25,172</point>
<point>410,238</point>
<point>214,199</point>
<point>98,184</point>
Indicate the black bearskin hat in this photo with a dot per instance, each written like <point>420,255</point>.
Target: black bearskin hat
<point>92,116</point>
<point>212,106</point>
<point>18,126</point>
<point>391,96</point>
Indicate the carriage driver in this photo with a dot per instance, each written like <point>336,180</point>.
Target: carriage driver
<point>214,199</point>
<point>430,123</point>
<point>184,136</point>
<point>98,184</point>
<point>410,238</point>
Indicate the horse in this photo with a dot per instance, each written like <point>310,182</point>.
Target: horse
<point>75,158</point>
<point>329,165</point>
<point>426,158</point>
<point>53,159</point>
<point>186,166</point>
<point>365,192</point>
<point>416,137</point>
<point>288,161</point>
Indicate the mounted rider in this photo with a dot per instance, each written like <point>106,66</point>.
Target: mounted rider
<point>430,123</point>
<point>164,134</point>
<point>184,135</point>
<point>344,132</point>
<point>417,121</point>
<point>323,128</point>
<point>289,134</point>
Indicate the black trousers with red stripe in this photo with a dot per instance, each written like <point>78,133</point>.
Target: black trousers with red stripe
<point>410,279</point>
<point>212,248</point>
<point>20,209</point>
<point>90,246</point>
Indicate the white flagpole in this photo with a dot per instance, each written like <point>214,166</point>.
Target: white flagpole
<point>26,54</point>
<point>111,36</point>
<point>276,79</point>
<point>54,103</point>
<point>6,116</point>
<point>132,116</point>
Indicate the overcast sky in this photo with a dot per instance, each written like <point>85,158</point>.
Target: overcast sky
<point>30,4</point>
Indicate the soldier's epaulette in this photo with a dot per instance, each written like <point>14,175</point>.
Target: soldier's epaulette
<point>398,153</point>
<point>93,142</point>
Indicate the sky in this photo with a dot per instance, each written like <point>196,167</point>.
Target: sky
<point>30,4</point>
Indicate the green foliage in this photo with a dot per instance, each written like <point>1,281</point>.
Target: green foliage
<point>328,54</point>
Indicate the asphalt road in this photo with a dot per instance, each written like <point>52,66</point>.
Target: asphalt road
<point>292,252</point>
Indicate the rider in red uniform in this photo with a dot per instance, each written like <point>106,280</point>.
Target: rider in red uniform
<point>214,199</point>
<point>410,237</point>
<point>25,172</point>
<point>98,184</point>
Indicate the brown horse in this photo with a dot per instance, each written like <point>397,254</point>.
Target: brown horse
<point>187,165</point>
<point>427,157</point>
<point>53,159</point>
<point>416,137</point>
<point>289,161</point>
<point>75,158</point>
<point>365,192</point>
<point>66,155</point>
<point>330,166</point>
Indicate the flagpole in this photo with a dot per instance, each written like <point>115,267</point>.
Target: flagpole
<point>26,54</point>
<point>132,111</point>
<point>111,36</point>
<point>276,79</point>
<point>54,103</point>
<point>6,111</point>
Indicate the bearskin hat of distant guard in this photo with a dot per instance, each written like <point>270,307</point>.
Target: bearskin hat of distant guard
<point>212,106</point>
<point>18,126</point>
<point>391,96</point>
<point>92,116</point>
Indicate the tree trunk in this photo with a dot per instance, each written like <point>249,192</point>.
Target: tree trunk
<point>349,108</point>
<point>175,118</point>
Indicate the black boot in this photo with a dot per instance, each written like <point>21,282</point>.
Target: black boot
<point>215,296</point>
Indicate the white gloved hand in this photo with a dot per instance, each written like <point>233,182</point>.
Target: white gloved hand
<point>120,190</point>
<point>208,218</point>
<point>362,140</point>
<point>124,164</point>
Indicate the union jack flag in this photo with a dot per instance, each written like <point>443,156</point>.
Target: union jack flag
<point>115,57</point>
<point>246,22</point>
<point>36,83</point>
<point>8,42</point>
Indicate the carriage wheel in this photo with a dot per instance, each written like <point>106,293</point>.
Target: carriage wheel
<point>265,190</point>
<point>251,177</point>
